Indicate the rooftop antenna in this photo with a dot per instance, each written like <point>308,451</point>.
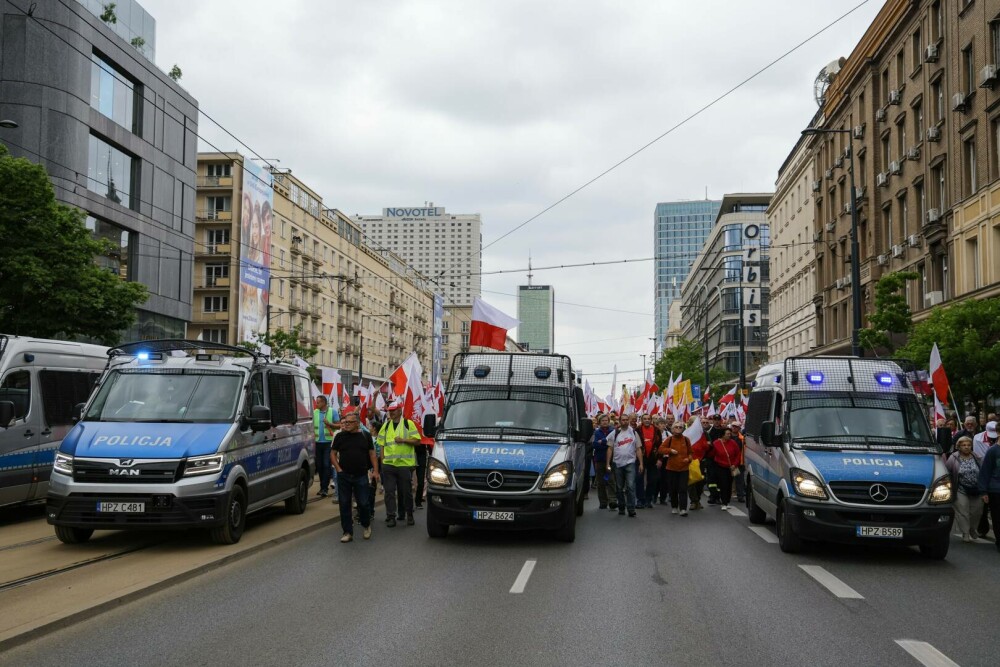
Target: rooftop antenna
<point>706,193</point>
<point>529,269</point>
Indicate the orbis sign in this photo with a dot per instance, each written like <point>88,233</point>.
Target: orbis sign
<point>413,212</point>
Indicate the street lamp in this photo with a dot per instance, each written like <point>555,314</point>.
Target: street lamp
<point>855,260</point>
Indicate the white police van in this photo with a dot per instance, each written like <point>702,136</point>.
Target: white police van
<point>41,382</point>
<point>839,449</point>
<point>184,434</point>
<point>510,451</point>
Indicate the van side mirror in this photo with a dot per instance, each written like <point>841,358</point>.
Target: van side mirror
<point>430,424</point>
<point>260,418</point>
<point>767,434</point>
<point>6,413</point>
<point>586,431</point>
<point>78,412</point>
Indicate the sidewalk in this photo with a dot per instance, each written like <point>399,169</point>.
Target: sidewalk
<point>40,607</point>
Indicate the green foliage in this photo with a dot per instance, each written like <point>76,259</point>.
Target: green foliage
<point>283,344</point>
<point>968,337</point>
<point>175,73</point>
<point>688,358</point>
<point>50,286</point>
<point>109,16</point>
<point>138,42</point>
<point>892,313</point>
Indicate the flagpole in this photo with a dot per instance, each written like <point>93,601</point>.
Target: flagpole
<point>954,403</point>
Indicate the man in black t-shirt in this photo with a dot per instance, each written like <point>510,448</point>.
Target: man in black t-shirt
<point>353,455</point>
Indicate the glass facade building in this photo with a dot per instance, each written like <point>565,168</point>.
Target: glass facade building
<point>536,307</point>
<point>131,22</point>
<point>679,232</point>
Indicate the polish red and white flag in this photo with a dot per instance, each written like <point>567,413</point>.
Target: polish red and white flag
<point>938,378</point>
<point>490,326</point>
<point>938,411</point>
<point>695,433</point>
<point>404,382</point>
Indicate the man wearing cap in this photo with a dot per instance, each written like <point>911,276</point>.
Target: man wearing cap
<point>397,439</point>
<point>981,445</point>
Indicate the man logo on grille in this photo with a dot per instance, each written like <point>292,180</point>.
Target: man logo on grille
<point>494,480</point>
<point>878,493</point>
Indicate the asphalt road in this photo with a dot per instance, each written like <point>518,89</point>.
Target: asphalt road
<point>654,590</point>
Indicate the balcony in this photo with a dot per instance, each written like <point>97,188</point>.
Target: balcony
<point>211,317</point>
<point>294,306</point>
<point>213,216</point>
<point>420,317</point>
<point>212,250</point>
<point>296,249</point>
<point>212,282</point>
<point>215,182</point>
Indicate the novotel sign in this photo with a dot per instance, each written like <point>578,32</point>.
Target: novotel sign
<point>413,212</point>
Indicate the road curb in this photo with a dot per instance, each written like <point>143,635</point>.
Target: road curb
<point>88,613</point>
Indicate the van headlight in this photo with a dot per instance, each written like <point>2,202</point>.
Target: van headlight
<point>941,491</point>
<point>808,485</point>
<point>63,463</point>
<point>437,473</point>
<point>558,477</point>
<point>203,465</point>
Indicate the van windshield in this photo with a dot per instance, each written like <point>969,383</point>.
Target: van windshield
<point>858,418</point>
<point>493,415</point>
<point>167,395</point>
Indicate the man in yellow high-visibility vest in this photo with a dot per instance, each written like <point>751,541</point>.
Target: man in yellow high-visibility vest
<point>397,439</point>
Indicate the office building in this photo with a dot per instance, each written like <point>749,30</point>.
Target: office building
<point>117,136</point>
<point>679,232</point>
<point>536,308</point>
<point>445,249</point>
<point>727,289</point>
<point>292,262</point>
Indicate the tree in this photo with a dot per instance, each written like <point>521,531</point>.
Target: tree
<point>175,73</point>
<point>687,357</point>
<point>892,312</point>
<point>283,344</point>
<point>968,337</point>
<point>50,285</point>
<point>109,16</point>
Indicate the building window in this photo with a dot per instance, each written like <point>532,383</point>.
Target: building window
<point>995,41</point>
<point>973,279</point>
<point>220,170</point>
<point>111,172</point>
<point>113,94</point>
<point>937,21</point>
<point>217,237</point>
<point>969,165</point>
<point>918,123</point>
<point>886,152</point>
<point>214,336</point>
<point>216,204</point>
<point>465,326</point>
<point>918,193</point>
<point>968,70</point>
<point>937,92</point>
<point>917,49</point>
<point>216,304</point>
<point>900,70</point>
<point>887,227</point>
<point>215,272</point>
<point>119,239</point>
<point>995,153</point>
<point>904,214</point>
<point>901,139</point>
<point>940,195</point>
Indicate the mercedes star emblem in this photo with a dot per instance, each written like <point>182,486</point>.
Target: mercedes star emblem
<point>878,493</point>
<point>494,480</point>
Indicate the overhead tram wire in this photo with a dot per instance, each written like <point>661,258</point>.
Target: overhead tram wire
<point>578,305</point>
<point>683,122</point>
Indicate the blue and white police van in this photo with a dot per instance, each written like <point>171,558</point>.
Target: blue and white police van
<point>510,450</point>
<point>184,434</point>
<point>839,449</point>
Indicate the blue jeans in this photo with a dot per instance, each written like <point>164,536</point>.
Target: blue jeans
<point>323,465</point>
<point>355,486</point>
<point>625,482</point>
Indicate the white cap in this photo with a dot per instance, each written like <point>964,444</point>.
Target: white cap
<point>991,429</point>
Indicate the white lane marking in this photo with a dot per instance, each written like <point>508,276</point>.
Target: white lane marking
<point>765,534</point>
<point>522,578</point>
<point>926,654</point>
<point>832,583</point>
<point>736,512</point>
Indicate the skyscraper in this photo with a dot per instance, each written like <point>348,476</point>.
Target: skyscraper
<point>536,307</point>
<point>679,232</point>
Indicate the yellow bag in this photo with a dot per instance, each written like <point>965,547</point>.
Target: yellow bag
<point>694,472</point>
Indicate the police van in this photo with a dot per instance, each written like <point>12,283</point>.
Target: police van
<point>184,434</point>
<point>41,381</point>
<point>510,450</point>
<point>839,449</point>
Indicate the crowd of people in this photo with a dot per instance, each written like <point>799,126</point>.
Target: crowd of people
<point>641,461</point>
<point>971,457</point>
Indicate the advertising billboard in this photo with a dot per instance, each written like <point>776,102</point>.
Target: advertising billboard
<point>438,351</point>
<point>256,217</point>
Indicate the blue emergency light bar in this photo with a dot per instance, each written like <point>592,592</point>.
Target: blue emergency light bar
<point>884,379</point>
<point>814,377</point>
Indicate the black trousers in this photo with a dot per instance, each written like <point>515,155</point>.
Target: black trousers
<point>677,485</point>
<point>724,480</point>
<point>421,472</point>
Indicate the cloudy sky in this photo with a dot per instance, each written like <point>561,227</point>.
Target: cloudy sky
<point>504,107</point>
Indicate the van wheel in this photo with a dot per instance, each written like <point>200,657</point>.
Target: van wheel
<point>236,518</point>
<point>937,550</point>
<point>568,531</point>
<point>297,503</point>
<point>435,528</point>
<point>754,512</point>
<point>579,504</point>
<point>788,541</point>
<point>69,535</point>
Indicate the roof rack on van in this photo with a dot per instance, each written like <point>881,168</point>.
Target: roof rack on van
<point>172,344</point>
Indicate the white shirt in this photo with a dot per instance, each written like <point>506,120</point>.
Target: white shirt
<point>623,443</point>
<point>980,445</point>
